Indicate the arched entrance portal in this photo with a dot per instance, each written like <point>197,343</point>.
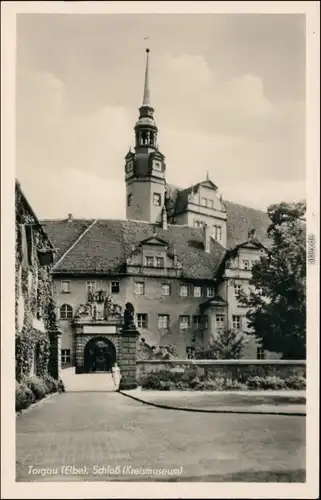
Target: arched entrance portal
<point>99,355</point>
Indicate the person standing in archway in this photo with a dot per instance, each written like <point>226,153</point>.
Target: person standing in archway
<point>115,373</point>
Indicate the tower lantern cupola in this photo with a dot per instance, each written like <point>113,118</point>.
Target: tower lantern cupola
<point>146,128</point>
<point>145,166</point>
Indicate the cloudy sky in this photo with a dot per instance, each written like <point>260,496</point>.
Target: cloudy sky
<point>228,92</point>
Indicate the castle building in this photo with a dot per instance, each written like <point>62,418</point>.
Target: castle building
<point>181,258</point>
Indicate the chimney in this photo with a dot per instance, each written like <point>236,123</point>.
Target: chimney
<point>70,218</point>
<point>207,238</point>
<point>164,218</point>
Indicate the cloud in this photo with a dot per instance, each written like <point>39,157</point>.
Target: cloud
<point>83,194</point>
<point>252,148</point>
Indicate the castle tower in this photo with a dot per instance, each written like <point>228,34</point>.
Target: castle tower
<point>145,167</point>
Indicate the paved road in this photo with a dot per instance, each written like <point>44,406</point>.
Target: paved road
<point>94,430</point>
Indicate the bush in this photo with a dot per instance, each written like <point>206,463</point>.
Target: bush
<point>24,396</point>
<point>38,387</point>
<point>51,383</point>
<point>274,383</point>
<point>234,385</point>
<point>61,386</point>
<point>170,380</point>
<point>296,382</point>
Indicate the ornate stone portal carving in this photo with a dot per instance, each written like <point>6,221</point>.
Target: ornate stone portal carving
<point>145,351</point>
<point>98,307</point>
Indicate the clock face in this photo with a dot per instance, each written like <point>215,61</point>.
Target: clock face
<point>158,166</point>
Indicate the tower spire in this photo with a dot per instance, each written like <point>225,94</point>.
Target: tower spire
<point>146,97</point>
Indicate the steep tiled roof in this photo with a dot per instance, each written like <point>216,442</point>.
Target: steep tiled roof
<point>241,219</point>
<point>64,233</point>
<point>105,246</point>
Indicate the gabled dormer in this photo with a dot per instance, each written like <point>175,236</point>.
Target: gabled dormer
<point>240,260</point>
<point>152,257</point>
<point>202,204</point>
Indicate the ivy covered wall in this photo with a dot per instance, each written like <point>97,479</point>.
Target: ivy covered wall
<point>34,306</point>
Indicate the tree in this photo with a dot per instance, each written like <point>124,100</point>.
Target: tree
<point>227,345</point>
<point>277,299</point>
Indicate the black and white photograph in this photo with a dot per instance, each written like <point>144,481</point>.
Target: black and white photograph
<point>164,244</point>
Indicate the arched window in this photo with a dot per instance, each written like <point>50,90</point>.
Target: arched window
<point>66,311</point>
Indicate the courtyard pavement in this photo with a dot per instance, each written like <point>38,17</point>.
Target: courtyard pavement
<point>106,436</point>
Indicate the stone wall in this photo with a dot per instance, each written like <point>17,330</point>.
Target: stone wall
<point>229,369</point>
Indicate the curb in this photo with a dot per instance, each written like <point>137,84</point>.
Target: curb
<point>200,410</point>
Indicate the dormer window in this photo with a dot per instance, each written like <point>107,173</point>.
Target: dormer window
<point>154,262</point>
<point>206,202</point>
<point>159,261</point>
<point>149,261</point>
<point>217,232</point>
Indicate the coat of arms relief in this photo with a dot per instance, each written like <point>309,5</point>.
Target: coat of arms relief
<point>99,306</point>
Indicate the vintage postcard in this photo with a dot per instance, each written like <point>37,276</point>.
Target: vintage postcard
<point>160,249</point>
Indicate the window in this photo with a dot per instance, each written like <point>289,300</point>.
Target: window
<point>65,356</point>
<point>190,351</point>
<point>204,202</point>
<point>115,287</point>
<point>260,354</point>
<point>246,264</point>
<point>129,166</point>
<point>237,290</point>
<point>183,290</point>
<point>159,261</point>
<point>142,320</point>
<point>91,286</point>
<point>157,166</point>
<point>210,291</point>
<point>197,321</point>
<point>197,223</point>
<point>139,288</point>
<point>157,199</point>
<point>166,289</point>
<point>205,321</point>
<point>210,203</point>
<point>220,322</point>
<point>66,312</point>
<point>217,232</point>
<point>163,321</point>
<point>236,322</point>
<point>149,261</point>
<point>197,291</point>
<point>129,200</point>
<point>65,287</point>
<point>183,322</point>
